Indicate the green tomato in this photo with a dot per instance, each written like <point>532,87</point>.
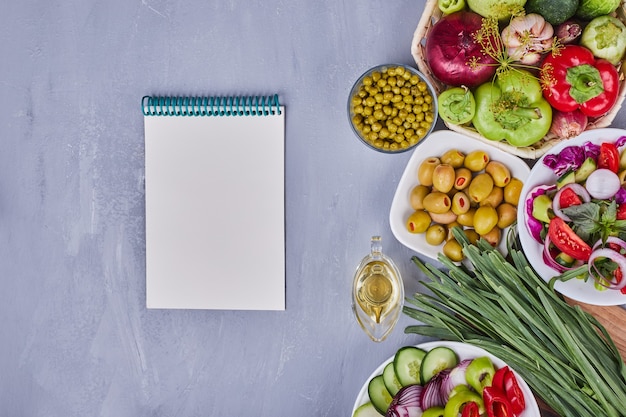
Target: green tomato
<point>500,9</point>
<point>512,108</point>
<point>456,105</point>
<point>605,36</point>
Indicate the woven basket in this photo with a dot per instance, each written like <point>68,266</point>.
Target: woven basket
<point>418,49</point>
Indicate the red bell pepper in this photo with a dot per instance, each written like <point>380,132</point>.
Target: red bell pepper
<point>514,393</point>
<point>572,78</point>
<point>496,403</point>
<point>470,409</point>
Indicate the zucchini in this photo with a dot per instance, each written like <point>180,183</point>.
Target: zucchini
<point>366,410</point>
<point>379,396</point>
<point>407,364</point>
<point>391,380</point>
<point>436,360</point>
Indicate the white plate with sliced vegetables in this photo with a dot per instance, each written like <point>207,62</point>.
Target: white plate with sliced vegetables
<point>393,377</point>
<point>572,178</point>
<point>435,146</point>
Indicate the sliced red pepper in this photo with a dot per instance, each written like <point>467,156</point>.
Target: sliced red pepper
<point>496,403</point>
<point>498,378</point>
<point>575,79</point>
<point>470,409</point>
<point>569,198</point>
<point>564,238</point>
<point>514,393</point>
<point>609,157</point>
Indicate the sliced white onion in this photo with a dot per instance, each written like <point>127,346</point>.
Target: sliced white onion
<point>602,184</point>
<point>580,192</point>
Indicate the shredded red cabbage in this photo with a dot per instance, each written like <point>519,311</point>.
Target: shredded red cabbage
<point>571,157</point>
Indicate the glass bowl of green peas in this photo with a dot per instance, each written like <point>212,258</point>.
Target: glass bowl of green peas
<point>392,108</point>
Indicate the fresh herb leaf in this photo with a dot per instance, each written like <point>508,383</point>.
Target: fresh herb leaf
<point>586,219</point>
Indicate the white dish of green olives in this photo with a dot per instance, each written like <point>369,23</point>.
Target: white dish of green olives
<point>392,108</point>
<point>450,170</point>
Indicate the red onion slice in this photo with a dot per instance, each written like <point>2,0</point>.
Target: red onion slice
<point>614,256</point>
<point>406,403</point>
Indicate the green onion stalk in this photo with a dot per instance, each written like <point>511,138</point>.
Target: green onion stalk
<point>564,354</point>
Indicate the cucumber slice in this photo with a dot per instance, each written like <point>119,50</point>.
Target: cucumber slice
<point>407,364</point>
<point>391,380</point>
<point>436,360</point>
<point>379,396</point>
<point>366,410</point>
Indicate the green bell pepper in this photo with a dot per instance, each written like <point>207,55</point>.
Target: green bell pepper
<point>512,108</point>
<point>479,373</point>
<point>457,401</point>
<point>450,6</point>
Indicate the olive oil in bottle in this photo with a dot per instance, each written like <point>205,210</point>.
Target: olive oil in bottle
<point>378,293</point>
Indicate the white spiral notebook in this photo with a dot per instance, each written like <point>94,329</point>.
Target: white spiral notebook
<point>215,202</point>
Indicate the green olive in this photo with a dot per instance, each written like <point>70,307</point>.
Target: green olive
<point>472,236</point>
<point>467,219</point>
<point>512,191</point>
<point>499,172</point>
<point>494,198</point>
<point>418,222</point>
<point>435,234</point>
<point>480,187</point>
<point>437,202</point>
<point>460,203</point>
<point>463,177</point>
<point>443,218</point>
<point>453,250</point>
<point>453,157</point>
<point>426,169</point>
<point>443,177</point>
<point>417,196</point>
<point>507,214</point>
<point>485,219</point>
<point>476,161</point>
<point>493,236</point>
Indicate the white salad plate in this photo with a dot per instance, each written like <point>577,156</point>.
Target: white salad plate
<point>436,144</point>
<point>576,289</point>
<point>464,351</point>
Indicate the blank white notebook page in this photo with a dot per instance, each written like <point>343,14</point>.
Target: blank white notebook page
<point>215,220</point>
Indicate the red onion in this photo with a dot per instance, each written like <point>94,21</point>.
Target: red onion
<point>451,47</point>
<point>455,377</point>
<point>611,240</point>
<point>614,256</point>
<point>568,124</point>
<point>431,394</point>
<point>548,258</point>
<point>406,403</point>
<point>575,187</point>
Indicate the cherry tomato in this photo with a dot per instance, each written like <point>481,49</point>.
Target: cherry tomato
<point>567,241</point>
<point>621,212</point>
<point>609,157</point>
<point>569,198</point>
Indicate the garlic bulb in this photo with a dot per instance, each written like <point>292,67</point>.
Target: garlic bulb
<point>527,37</point>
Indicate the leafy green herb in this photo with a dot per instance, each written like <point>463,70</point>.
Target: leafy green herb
<point>595,220</point>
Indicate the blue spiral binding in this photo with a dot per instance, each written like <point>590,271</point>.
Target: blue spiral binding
<point>210,105</point>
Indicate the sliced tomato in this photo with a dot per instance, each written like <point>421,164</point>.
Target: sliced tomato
<point>568,198</point>
<point>564,238</point>
<point>609,157</point>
